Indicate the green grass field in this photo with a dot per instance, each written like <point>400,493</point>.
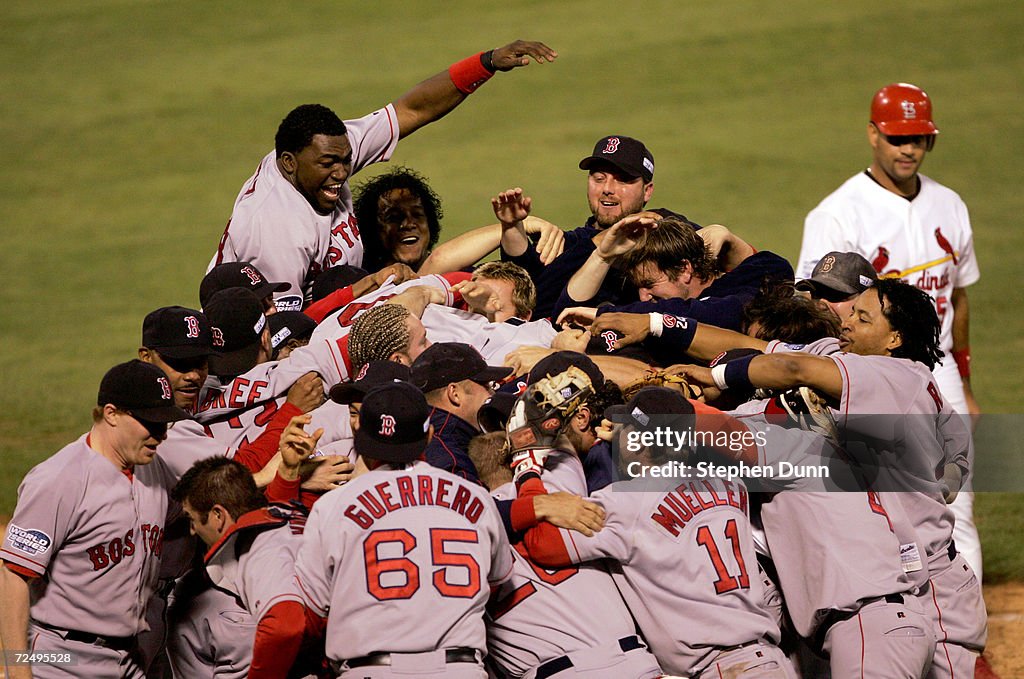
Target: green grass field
<point>128,127</point>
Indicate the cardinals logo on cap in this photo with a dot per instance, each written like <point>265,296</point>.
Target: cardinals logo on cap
<point>387,425</point>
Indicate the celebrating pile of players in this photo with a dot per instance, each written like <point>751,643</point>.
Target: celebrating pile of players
<point>525,451</point>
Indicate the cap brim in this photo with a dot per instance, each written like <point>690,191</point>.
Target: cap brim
<point>590,161</point>
<point>347,393</point>
<point>234,362</point>
<point>815,285</point>
<point>397,453</point>
<point>269,288</point>
<point>493,373</point>
<point>186,351</point>
<point>161,414</point>
<point>494,413</point>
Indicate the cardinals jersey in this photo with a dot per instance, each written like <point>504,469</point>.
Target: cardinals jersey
<point>274,227</point>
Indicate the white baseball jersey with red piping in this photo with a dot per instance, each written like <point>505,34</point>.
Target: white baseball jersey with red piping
<point>686,554</point>
<point>926,241</point>
<point>93,535</point>
<point>402,561</point>
<point>274,227</point>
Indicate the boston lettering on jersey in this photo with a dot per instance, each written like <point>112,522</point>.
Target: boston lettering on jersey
<point>403,491</point>
<point>688,499</point>
<point>114,552</point>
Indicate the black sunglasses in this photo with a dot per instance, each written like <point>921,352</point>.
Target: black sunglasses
<point>925,140</point>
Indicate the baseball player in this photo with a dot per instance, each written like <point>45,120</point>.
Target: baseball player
<point>553,620</point>
<point>875,388</point>
<point>293,217</point>
<point>911,227</point>
<point>82,550</point>
<point>400,560</point>
<point>684,550</point>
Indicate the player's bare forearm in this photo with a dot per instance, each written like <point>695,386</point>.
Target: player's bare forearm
<point>417,298</point>
<point>729,249</point>
<point>587,280</point>
<point>709,341</point>
<point>433,98</point>
<point>462,251</point>
<point>14,601</point>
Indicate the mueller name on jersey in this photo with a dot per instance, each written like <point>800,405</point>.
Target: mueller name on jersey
<point>688,500</point>
<point>107,554</point>
<point>406,491</point>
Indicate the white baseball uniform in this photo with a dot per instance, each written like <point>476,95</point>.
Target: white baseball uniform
<point>926,241</point>
<point>274,227</point>
<point>402,561</point>
<point>92,535</point>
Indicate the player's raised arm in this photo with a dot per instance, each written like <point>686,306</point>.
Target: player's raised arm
<point>774,371</point>
<point>436,96</point>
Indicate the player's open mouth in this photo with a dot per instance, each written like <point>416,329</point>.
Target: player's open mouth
<point>332,191</point>
<point>410,240</point>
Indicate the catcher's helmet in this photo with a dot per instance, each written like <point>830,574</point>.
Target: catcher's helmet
<point>902,109</point>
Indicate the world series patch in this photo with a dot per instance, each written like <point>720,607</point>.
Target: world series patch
<point>32,542</point>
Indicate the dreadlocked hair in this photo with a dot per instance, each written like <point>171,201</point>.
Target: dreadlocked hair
<point>377,334</point>
<point>911,313</point>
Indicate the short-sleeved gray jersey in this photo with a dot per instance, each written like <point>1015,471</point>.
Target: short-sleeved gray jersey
<point>94,534</point>
<point>685,555</point>
<point>543,614</point>
<point>402,560</point>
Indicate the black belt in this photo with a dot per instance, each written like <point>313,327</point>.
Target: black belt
<point>833,617</point>
<point>113,643</point>
<point>451,655</point>
<point>553,667</point>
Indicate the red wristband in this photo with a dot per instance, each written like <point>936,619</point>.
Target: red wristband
<point>963,361</point>
<point>469,74</point>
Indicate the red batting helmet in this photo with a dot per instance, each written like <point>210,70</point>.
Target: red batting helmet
<point>902,109</point>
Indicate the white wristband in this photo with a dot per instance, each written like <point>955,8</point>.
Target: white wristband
<point>657,323</point>
<point>718,375</point>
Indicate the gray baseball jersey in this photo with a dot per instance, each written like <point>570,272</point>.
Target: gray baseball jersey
<point>544,614</point>
<point>210,636</point>
<point>402,561</point>
<point>94,535</point>
<point>832,549</point>
<point>274,227</point>
<point>685,554</point>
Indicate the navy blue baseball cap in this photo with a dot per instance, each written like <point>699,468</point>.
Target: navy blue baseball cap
<point>625,153</point>
<point>237,275</point>
<point>394,420</point>
<point>141,389</point>
<point>178,332</point>
<point>372,374</point>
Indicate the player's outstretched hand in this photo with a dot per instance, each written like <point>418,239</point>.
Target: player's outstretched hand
<point>633,327</point>
<point>511,207</point>
<point>518,53</point>
<point>624,234</point>
<point>307,394</point>
<point>552,239</point>
<point>694,374</point>
<point>569,511</point>
<point>326,472</point>
<point>296,445</point>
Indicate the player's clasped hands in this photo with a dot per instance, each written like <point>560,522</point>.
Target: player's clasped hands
<point>326,472</point>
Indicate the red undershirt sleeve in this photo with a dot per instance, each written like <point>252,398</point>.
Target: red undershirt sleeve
<point>278,638</point>
<point>543,542</point>
<point>255,456</point>
<point>322,308</point>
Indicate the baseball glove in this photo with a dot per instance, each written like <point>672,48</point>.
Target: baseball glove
<point>662,378</point>
<point>540,415</point>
